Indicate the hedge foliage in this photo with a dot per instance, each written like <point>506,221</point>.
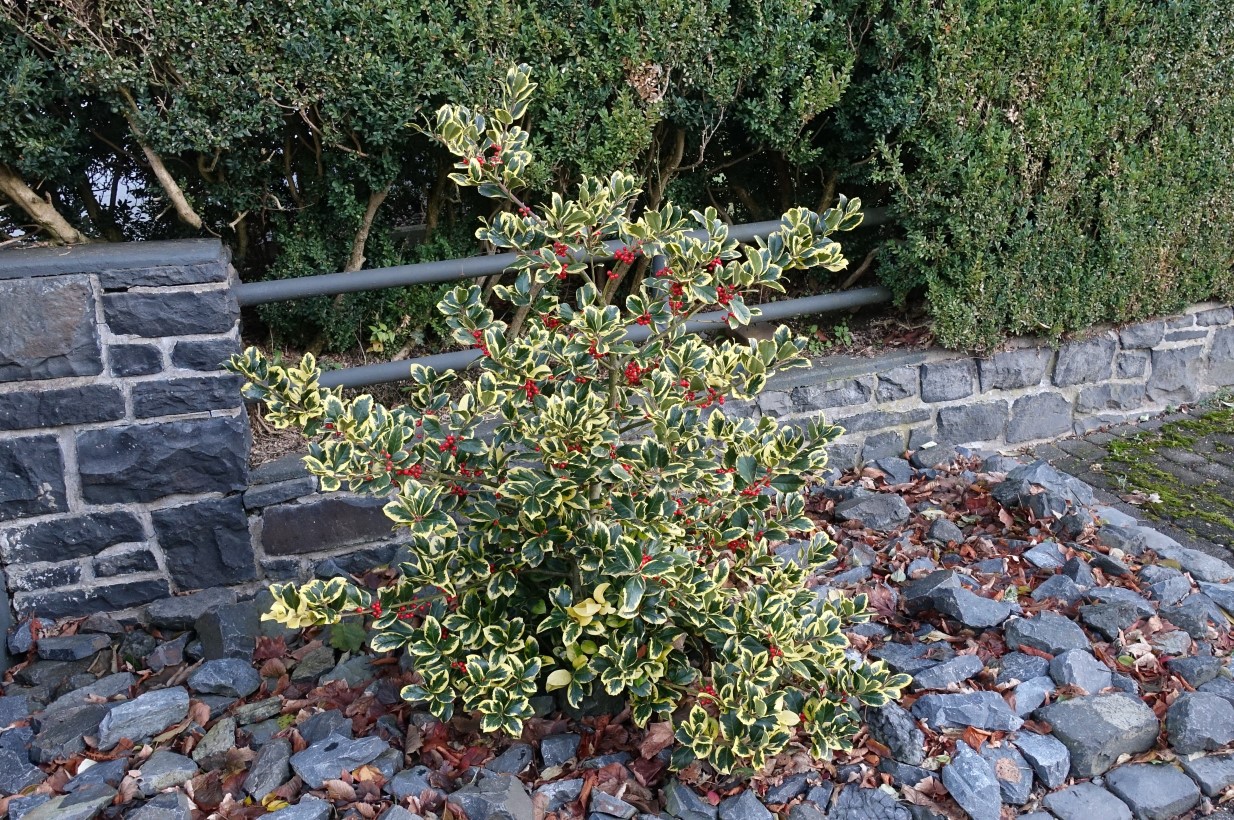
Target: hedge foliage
<point>1049,163</point>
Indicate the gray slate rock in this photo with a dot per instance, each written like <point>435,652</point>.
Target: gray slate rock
<point>1017,666</point>
<point>981,710</point>
<point>180,612</point>
<point>109,773</point>
<point>13,708</point>
<point>608,806</point>
<point>1046,631</point>
<point>1046,555</point>
<point>1214,773</point>
<point>259,710</point>
<point>1109,619</point>
<point>514,760</point>
<point>168,806</point>
<point>856,803</point>
<point>329,758</point>
<point>744,806</point>
<point>60,733</point>
<point>16,772</point>
<point>912,658</point>
<point>1011,770</point>
<point>1031,693</point>
<point>144,716</point>
<point>1154,792</point>
<point>212,748</point>
<point>413,782</point>
<point>970,781</point>
<point>1098,729</point>
<point>948,674</point>
<point>20,807</point>
<point>970,609</point>
<point>232,677</point>
<point>558,750</point>
<point>919,594</point>
<point>1221,594</point>
<point>892,726</point>
<point>72,647</point>
<point>168,654</point>
<point>558,793</point>
<point>499,796</point>
<point>1059,587</point>
<point>229,631</point>
<point>1196,671</point>
<point>898,471</point>
<point>1084,801</point>
<point>164,770</point>
<point>270,769</point>
<point>1043,475</point>
<point>791,787</point>
<point>944,532</point>
<point>1078,667</point>
<point>882,512</point>
<point>1048,757</point>
<point>82,804</point>
<point>1199,722</point>
<point>681,802</point>
<point>309,808</point>
<point>322,725</point>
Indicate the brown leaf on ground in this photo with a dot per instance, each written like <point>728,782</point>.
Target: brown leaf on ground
<point>268,648</point>
<point>659,737</point>
<point>339,790</point>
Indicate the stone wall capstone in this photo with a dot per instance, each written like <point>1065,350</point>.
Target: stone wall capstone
<point>124,448</point>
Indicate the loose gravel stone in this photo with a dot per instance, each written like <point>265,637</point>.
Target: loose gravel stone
<point>212,748</point>
<point>970,609</point>
<point>144,716</point>
<point>1046,631</point>
<point>329,758</point>
<point>911,659</point>
<point>72,647</point>
<point>60,733</point>
<point>971,782</point>
<point>1011,770</point>
<point>413,782</point>
<point>1059,587</point>
<point>1109,619</point>
<point>1046,555</point>
<point>20,807</point>
<point>981,710</point>
<point>948,674</point>
<point>1154,792</point>
<point>515,760</point>
<point>1017,666</point>
<point>1214,773</point>
<point>1048,757</point>
<point>259,710</point>
<point>226,676</point>
<point>16,773</point>
<point>1084,801</point>
<point>1196,671</point>
<point>180,612</point>
<point>792,786</point>
<point>109,773</point>
<point>558,793</point>
<point>1199,722</point>
<point>943,531</point>
<point>322,725</point>
<point>892,726</point>
<point>744,806</point>
<point>13,708</point>
<point>919,594</point>
<point>309,808</point>
<point>82,804</point>
<point>169,806</point>
<point>681,802</point>
<point>1030,694</point>
<point>882,512</point>
<point>856,803</point>
<point>1098,729</point>
<point>610,806</point>
<point>1078,667</point>
<point>558,750</point>
<point>1222,594</point>
<point>164,770</point>
<point>499,796</point>
<point>270,769</point>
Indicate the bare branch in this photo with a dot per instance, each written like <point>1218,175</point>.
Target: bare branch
<point>38,208</point>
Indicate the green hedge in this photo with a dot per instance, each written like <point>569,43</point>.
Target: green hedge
<point>1052,163</point>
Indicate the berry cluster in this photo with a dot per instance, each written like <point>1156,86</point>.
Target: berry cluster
<point>478,335</point>
<point>625,255</point>
<point>634,373</point>
<point>449,445</point>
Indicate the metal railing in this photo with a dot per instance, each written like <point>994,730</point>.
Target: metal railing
<point>424,273</point>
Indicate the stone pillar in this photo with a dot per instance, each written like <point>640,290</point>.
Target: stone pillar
<point>123,447</point>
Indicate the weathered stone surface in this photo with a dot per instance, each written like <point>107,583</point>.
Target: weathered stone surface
<point>1110,618</point>
<point>971,782</point>
<point>211,749</point>
<point>681,802</point>
<point>1011,770</point>
<point>162,276</point>
<point>776,404</point>
<point>109,773</point>
<point>1176,374</point>
<point>501,797</point>
<point>82,804</point>
<point>265,495</point>
<point>63,538</point>
<point>981,710</point>
<point>1048,757</point>
<point>1142,335</point>
<point>1078,668</point>
<point>229,630</point>
<point>1098,729</point>
<point>1040,416</point>
<point>195,394</point>
<point>144,716</point>
<point>105,687</point>
<point>1084,361</point>
<point>1047,632</point>
<point>1017,666</point>
<point>134,360</point>
<point>148,461</point>
<point>1199,722</point>
<point>919,595</point>
<point>20,807</point>
<point>558,793</point>
<point>856,803</point>
<point>1221,357</point>
<point>947,381</point>
<point>1032,693</point>
<point>558,750</point>
<point>169,806</point>
<point>882,512</point>
<point>16,772</point>
<point>1105,397</point>
<point>514,760</point>
<point>1131,364</point>
<point>60,734</point>
<point>31,477</point>
<point>71,647</point>
<point>313,665</point>
<point>972,422</point>
<point>180,612</point>
<point>309,808</point>
<point>843,393</point>
<point>88,403</point>
<point>175,313</point>
<point>1214,773</point>
<point>206,542</point>
<point>944,531</point>
<point>970,609</point>
<point>1154,792</point>
<point>225,676</point>
<point>164,770</point>
<point>27,578</point>
<point>1201,565</point>
<point>125,562</point>
<point>892,726</point>
<point>1060,588</point>
<point>1014,369</point>
<point>744,806</point>
<point>1084,801</point>
<point>897,383</point>
<point>1221,594</point>
<point>327,759</point>
<point>884,444</point>
<point>948,674</point>
<point>49,330</point>
<point>324,724</point>
<point>323,523</point>
<point>736,808</point>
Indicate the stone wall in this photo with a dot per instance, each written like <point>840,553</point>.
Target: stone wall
<point>123,448</point>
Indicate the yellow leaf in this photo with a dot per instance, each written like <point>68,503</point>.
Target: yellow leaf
<point>558,679</point>
<point>787,717</point>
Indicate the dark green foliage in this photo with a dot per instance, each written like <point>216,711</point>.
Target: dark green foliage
<point>1052,164</point>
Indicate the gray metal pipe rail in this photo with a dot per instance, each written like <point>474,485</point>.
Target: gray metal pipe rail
<point>384,372</point>
<point>449,270</point>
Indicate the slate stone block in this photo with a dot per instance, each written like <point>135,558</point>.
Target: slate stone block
<point>25,578</point>
<point>946,381</point>
<point>134,360</point>
<point>206,543</point>
<point>170,314</point>
<point>1085,361</point>
<point>1044,415</point>
<point>325,523</point>
<point>1131,364</point>
<point>1142,335</point>
<point>1214,316</point>
<point>1105,397</point>
<point>49,329</point>
<point>55,408</point>
<point>127,562</point>
<point>105,598</point>
<point>1221,357</point>
<point>194,394</point>
<point>142,462</point>
<point>1014,369</point>
<point>265,495</point>
<point>31,477</point>
<point>165,276</point>
<point>842,393</point>
<point>898,383</point>
<point>1176,374</point>
<point>972,422</point>
<point>64,538</point>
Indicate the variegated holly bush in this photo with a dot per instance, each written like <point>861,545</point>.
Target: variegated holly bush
<point>583,514</point>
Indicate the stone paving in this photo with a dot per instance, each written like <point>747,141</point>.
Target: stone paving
<point>1186,458</point>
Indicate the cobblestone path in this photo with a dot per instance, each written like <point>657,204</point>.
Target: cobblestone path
<point>1176,469</point>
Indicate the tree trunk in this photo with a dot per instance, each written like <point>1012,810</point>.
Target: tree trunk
<point>39,209</point>
<point>356,260</point>
<point>175,194</point>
